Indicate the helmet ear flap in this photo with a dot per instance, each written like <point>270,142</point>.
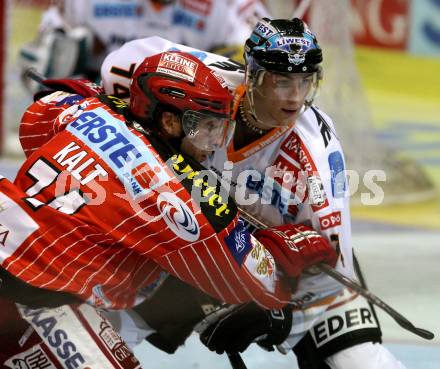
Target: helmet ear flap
<point>142,101</point>
<point>259,77</point>
<point>320,73</point>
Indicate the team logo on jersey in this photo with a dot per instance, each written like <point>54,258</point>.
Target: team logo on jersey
<point>177,66</point>
<point>296,58</point>
<point>348,315</point>
<point>99,298</point>
<point>239,242</point>
<point>70,100</point>
<point>51,324</point>
<point>35,357</point>
<point>178,216</point>
<point>316,190</point>
<point>336,163</point>
<point>118,348</point>
<point>117,11</point>
<point>330,220</point>
<point>262,259</point>
<point>241,238</point>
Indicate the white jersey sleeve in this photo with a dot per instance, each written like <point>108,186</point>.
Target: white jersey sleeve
<point>51,19</point>
<point>236,20</point>
<point>118,66</point>
<point>326,207</point>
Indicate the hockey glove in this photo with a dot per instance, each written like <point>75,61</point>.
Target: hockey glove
<point>80,87</point>
<point>296,247</point>
<point>173,322</point>
<point>248,323</point>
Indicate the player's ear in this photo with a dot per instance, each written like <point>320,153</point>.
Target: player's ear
<point>170,124</point>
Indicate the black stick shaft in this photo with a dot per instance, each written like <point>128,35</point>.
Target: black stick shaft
<point>236,361</point>
<point>33,74</point>
<point>400,319</point>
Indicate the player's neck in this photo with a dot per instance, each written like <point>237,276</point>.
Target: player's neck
<point>247,129</point>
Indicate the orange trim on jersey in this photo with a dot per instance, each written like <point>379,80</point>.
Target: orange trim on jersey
<point>257,145</point>
<point>343,302</point>
<point>157,6</point>
<point>329,301</point>
<point>323,302</point>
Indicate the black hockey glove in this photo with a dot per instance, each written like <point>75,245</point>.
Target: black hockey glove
<point>174,322</point>
<point>248,323</point>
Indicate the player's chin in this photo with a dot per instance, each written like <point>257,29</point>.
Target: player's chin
<point>286,117</point>
<point>202,155</point>
<point>288,113</point>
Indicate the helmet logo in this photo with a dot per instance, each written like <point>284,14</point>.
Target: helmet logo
<point>219,78</point>
<point>296,58</point>
<point>177,65</point>
<point>299,41</point>
<point>264,29</point>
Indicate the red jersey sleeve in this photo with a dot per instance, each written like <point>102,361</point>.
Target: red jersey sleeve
<point>107,214</point>
<point>45,118</point>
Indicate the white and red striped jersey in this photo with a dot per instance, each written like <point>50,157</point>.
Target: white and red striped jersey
<point>100,211</point>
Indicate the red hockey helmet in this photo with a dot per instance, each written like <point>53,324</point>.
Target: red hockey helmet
<point>181,82</point>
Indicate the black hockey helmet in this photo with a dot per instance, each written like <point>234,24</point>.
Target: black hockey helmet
<point>283,45</point>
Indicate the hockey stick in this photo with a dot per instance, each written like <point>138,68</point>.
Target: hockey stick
<point>236,360</point>
<point>373,299</point>
<point>33,74</point>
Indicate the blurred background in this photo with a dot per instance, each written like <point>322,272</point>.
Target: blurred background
<point>382,88</point>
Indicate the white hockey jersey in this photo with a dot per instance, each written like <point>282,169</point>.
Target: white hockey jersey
<point>203,24</point>
<point>118,66</point>
<point>296,174</point>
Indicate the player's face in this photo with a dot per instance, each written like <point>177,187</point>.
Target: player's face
<point>279,97</point>
<point>188,147</point>
<point>206,130</point>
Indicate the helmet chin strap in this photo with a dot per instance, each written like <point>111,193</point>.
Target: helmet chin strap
<point>249,98</point>
<point>310,100</point>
